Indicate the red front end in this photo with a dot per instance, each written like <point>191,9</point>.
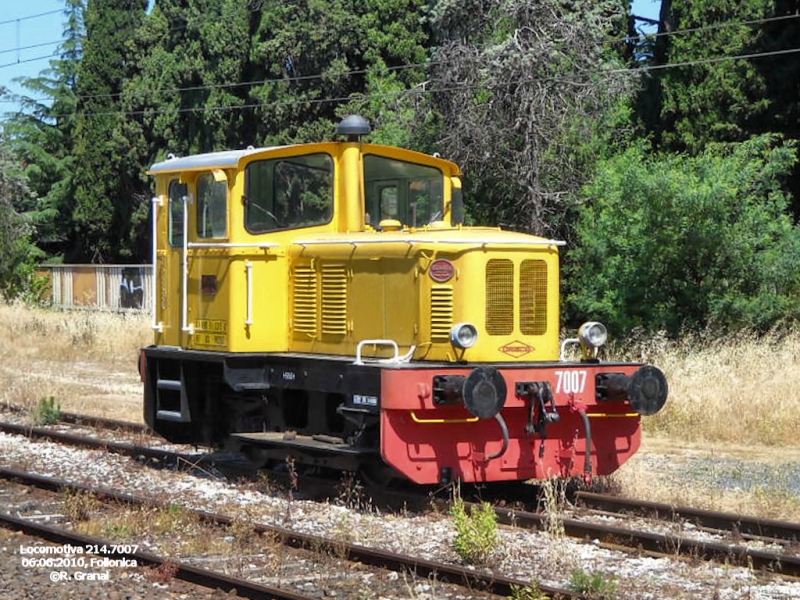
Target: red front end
<point>546,416</point>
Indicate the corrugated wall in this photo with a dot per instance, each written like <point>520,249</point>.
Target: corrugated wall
<point>101,287</point>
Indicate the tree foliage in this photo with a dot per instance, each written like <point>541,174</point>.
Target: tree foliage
<point>708,95</point>
<point>316,56</point>
<point>40,136</point>
<point>17,253</point>
<point>675,242</point>
<point>524,88</point>
<point>527,96</point>
<point>104,177</point>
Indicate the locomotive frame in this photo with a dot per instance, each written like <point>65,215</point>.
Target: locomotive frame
<point>326,302</point>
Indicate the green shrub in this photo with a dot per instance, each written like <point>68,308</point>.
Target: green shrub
<point>476,532</point>
<point>675,242</point>
<point>595,585</point>
<point>47,412</point>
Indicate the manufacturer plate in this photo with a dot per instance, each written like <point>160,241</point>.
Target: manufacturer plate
<point>441,271</point>
<point>516,349</point>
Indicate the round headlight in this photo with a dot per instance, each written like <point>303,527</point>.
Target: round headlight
<point>464,335</point>
<point>593,334</point>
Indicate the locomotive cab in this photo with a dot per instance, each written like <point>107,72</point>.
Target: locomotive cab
<point>325,301</point>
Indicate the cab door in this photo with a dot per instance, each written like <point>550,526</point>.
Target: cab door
<point>168,272</point>
<point>207,264</point>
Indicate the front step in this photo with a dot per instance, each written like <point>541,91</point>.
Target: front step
<point>307,443</point>
<point>172,403</point>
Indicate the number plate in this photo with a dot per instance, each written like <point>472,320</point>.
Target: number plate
<point>571,382</point>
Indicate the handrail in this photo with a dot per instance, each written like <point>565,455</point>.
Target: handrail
<point>186,327</point>
<point>155,325</point>
<point>249,268</point>
<point>262,245</point>
<point>396,359</point>
<point>411,241</point>
<point>562,357</point>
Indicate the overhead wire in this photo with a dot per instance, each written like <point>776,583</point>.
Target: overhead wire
<point>423,91</point>
<point>277,80</point>
<point>30,47</point>
<point>721,25</point>
<point>28,17</point>
<point>407,66</point>
<point>394,68</point>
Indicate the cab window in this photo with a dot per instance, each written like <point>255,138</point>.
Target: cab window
<point>410,193</point>
<point>177,197</point>
<point>289,192</point>
<point>212,207</point>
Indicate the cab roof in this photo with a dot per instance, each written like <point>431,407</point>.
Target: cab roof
<point>230,159</point>
<point>225,159</point>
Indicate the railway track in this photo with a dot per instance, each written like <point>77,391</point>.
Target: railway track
<point>740,527</point>
<point>738,540</point>
<point>180,570</point>
<point>668,544</point>
<point>443,572</point>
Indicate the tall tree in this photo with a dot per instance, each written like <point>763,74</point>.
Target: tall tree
<point>524,88</point>
<point>316,55</point>
<point>188,94</point>
<point>41,136</point>
<point>104,175</point>
<point>703,94</point>
<point>16,250</point>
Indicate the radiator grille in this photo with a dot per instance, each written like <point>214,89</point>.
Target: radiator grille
<point>441,313</point>
<point>334,300</point>
<point>499,297</point>
<point>305,300</point>
<point>533,297</point>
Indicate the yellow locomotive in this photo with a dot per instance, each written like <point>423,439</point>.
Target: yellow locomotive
<point>325,301</point>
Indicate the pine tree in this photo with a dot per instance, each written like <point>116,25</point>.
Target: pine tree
<point>41,137</point>
<point>322,59</point>
<point>718,98</point>
<point>104,173</point>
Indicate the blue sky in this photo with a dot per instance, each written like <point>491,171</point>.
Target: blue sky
<point>30,32</point>
<point>20,27</point>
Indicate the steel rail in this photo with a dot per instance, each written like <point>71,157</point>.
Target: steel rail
<point>183,571</point>
<point>737,524</point>
<point>123,448</point>
<point>663,544</point>
<point>88,420</point>
<point>103,423</point>
<point>495,584</point>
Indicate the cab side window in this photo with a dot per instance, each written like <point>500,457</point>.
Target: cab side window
<point>212,207</point>
<point>177,197</point>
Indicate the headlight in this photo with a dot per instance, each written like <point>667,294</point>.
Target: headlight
<point>592,335</point>
<point>464,335</point>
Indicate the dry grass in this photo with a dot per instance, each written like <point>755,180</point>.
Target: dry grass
<point>638,480</point>
<point>741,390</point>
<point>727,434</point>
<point>85,361</point>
